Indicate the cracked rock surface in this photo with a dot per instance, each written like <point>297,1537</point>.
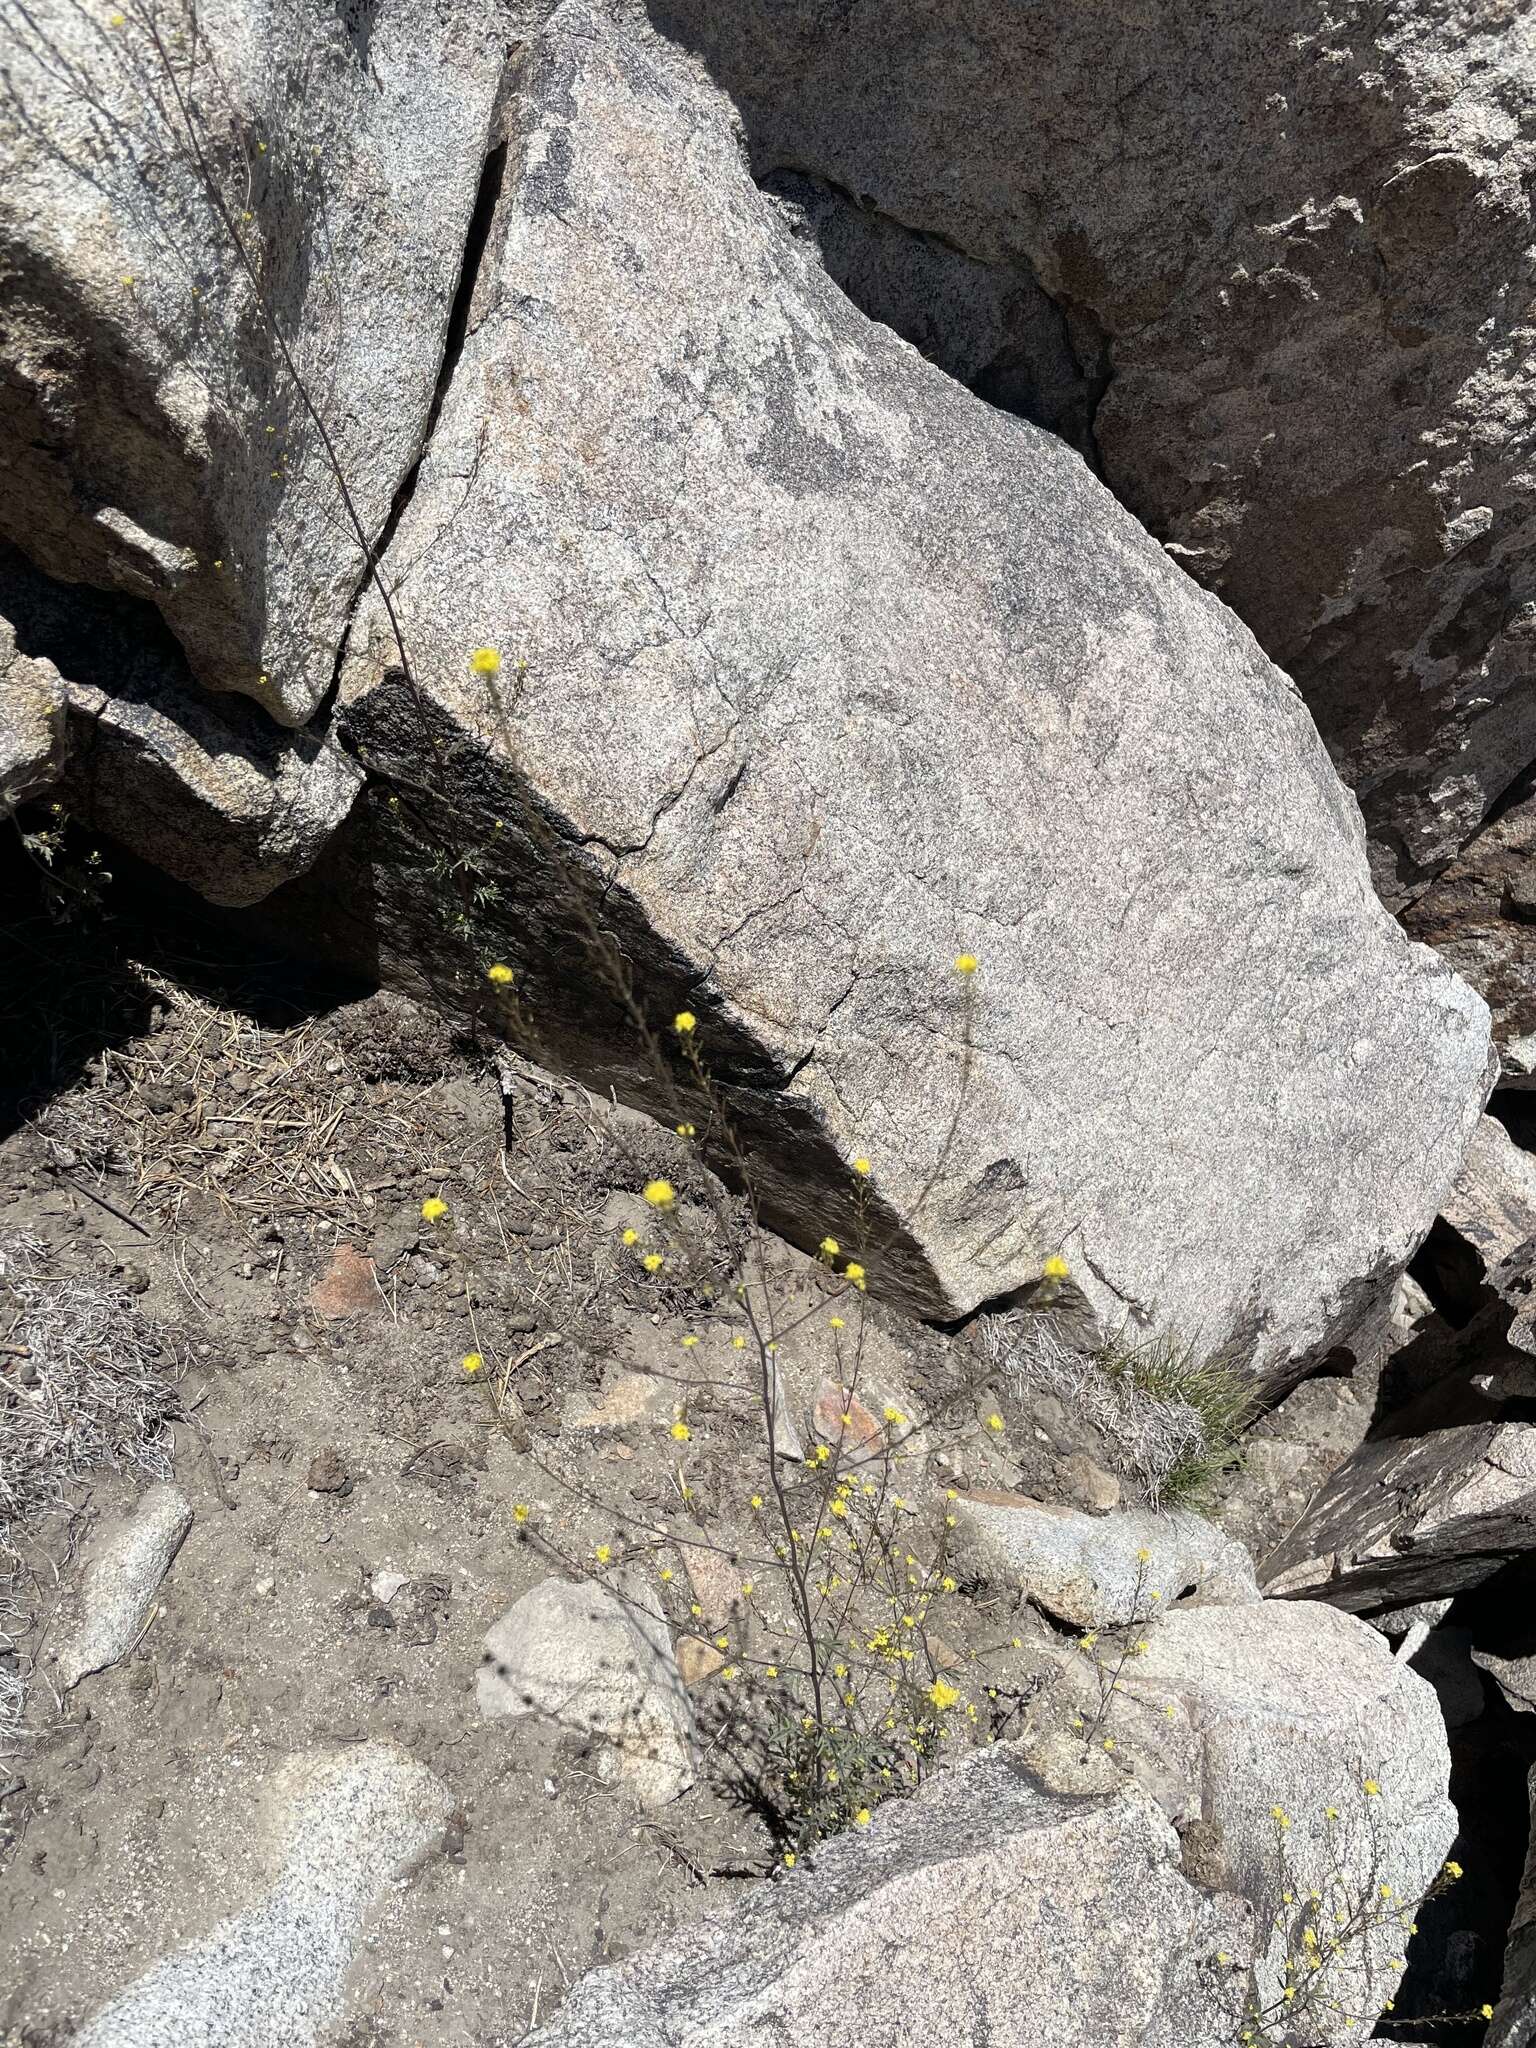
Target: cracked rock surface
<point>834,671</point>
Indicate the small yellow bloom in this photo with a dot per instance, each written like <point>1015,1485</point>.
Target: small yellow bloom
<point>485,661</point>
<point>520,1512</point>
<point>862,1818</point>
<point>1055,1267</point>
<point>729,1671</point>
<point>1109,1742</point>
<point>757,1500</point>
<point>994,1422</point>
<point>738,1343</point>
<point>667,1575</point>
<point>830,1247</point>
<point>689,1341</point>
<point>943,1695</point>
<point>472,1361</point>
<point>687,1130</point>
<point>722,1642</point>
<point>681,1432</point>
<point>966,963</point>
<point>1279,1816</point>
<point>432,1208</point>
<point>116,20</point>
<point>685,1021</point>
<point>1452,1870</point>
<point>660,1193</point>
<point>855,1272</point>
<point>653,1262</point>
<point>500,973</point>
<point>789,1859</point>
<point>1371,1788</point>
<point>837,1323</point>
<point>1485,2012</point>
<point>602,1553</point>
<point>862,1167</point>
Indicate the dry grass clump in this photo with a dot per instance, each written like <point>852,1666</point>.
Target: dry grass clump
<point>1173,1422</point>
<point>86,1380</point>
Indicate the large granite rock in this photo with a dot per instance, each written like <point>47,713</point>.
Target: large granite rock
<point>340,1826</point>
<point>1481,914</point>
<point>1289,251</point>
<point>33,729</point>
<point>1514,2018</point>
<point>833,672</point>
<point>152,440</point>
<point>988,1910</point>
<point>1316,1768</point>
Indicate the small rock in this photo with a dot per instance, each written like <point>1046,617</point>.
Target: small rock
<point>1085,1484</point>
<point>698,1660</point>
<point>124,1566</point>
<point>265,1588</point>
<point>349,1286</point>
<point>327,1473</point>
<point>633,1397</point>
<point>598,1661</point>
<point>386,1584</point>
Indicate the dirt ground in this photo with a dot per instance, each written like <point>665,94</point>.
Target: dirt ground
<point>239,1159</point>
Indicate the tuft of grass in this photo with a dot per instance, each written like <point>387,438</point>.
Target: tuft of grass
<point>1171,1421</point>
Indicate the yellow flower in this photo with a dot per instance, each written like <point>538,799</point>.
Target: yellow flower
<point>966,963</point>
<point>947,1585</point>
<point>689,1341</point>
<point>432,1208</point>
<point>653,1262</point>
<point>1452,1870</point>
<point>943,1695</point>
<point>839,1508</point>
<point>722,1642</point>
<point>729,1671</point>
<point>862,1167</point>
<point>1279,1816</point>
<point>685,1021</point>
<point>666,1575</point>
<point>1330,1813</point>
<point>687,1130</point>
<point>738,1343</point>
<point>520,1512</point>
<point>1485,2012</point>
<point>831,1247</point>
<point>1055,1267</point>
<point>485,661</point>
<point>757,1500</point>
<point>660,1193</point>
<point>855,1272</point>
<point>1109,1742</point>
<point>837,1323</point>
<point>994,1422</point>
<point>789,1859</point>
<point>500,973</point>
<point>1371,1788</point>
<point>629,1237</point>
<point>681,1432</point>
<point>862,1818</point>
<point>472,1361</point>
<point>602,1553</point>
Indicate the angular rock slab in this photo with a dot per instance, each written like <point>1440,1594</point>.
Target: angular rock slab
<point>209,789</point>
<point>1104,1571</point>
<point>1297,1707</point>
<point>343,1824</point>
<point>987,1910</point>
<point>598,1661</point>
<point>835,673</point>
<point>33,707</point>
<point>151,440</point>
<point>1514,2018</point>
<point>124,1567</point>
<point>1414,1518</point>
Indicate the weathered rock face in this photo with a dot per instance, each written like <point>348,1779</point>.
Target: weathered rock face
<point>1266,1724</point>
<point>915,1930</point>
<point>32,722</point>
<point>833,673</point>
<point>1414,1518</point>
<point>1514,2019</point>
<point>1296,295</point>
<point>151,441</point>
<point>1480,914</point>
<point>121,1576</point>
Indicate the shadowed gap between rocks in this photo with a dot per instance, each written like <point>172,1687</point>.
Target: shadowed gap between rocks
<point>992,327</point>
